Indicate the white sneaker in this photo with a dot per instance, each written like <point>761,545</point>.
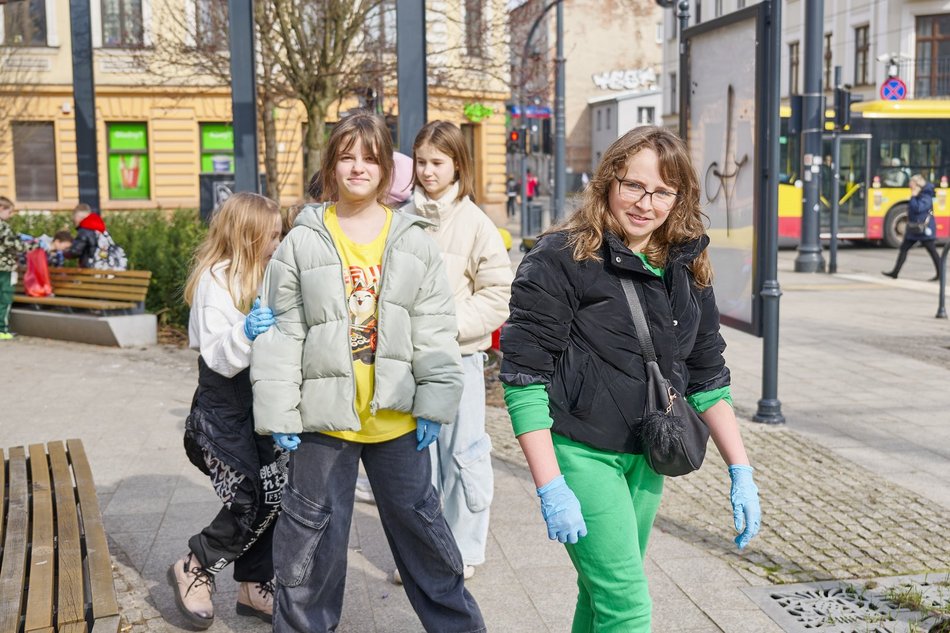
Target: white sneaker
<point>468,571</point>
<point>364,492</point>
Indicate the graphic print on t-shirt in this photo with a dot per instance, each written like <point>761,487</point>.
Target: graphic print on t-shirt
<point>362,284</point>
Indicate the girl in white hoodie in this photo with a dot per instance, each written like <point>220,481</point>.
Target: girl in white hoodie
<point>480,275</point>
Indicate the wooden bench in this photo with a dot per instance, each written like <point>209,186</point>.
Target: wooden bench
<point>102,291</point>
<point>102,307</point>
<point>55,569</point>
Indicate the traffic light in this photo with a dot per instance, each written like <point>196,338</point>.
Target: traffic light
<point>516,141</point>
<point>842,108</point>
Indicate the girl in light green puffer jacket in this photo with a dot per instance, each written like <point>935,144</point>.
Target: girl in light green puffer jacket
<point>362,365</point>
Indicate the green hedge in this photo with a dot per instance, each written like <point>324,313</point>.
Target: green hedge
<point>152,241</point>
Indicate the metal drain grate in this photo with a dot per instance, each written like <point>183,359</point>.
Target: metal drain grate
<point>898,604</point>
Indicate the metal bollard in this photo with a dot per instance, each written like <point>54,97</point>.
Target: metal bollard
<point>942,308</point>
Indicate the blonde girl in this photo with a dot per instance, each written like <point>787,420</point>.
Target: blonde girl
<point>362,365</point>
<point>574,376</point>
<point>480,276</point>
<point>245,469</point>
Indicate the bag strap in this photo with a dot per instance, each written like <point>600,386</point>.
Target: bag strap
<point>639,320</point>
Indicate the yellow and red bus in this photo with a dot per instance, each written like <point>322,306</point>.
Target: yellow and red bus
<point>887,142</point>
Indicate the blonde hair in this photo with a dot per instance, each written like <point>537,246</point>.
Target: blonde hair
<point>918,180</point>
<point>370,131</point>
<point>288,217</point>
<point>447,138</point>
<point>240,231</point>
<point>586,226</point>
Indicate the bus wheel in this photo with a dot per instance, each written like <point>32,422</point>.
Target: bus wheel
<point>894,225</point>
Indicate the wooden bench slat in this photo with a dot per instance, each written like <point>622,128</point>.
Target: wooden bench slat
<point>99,280</point>
<point>72,627</point>
<point>86,292</point>
<point>85,304</point>
<point>13,569</point>
<point>101,585</point>
<point>39,606</point>
<point>70,602</point>
<point>131,274</point>
<point>108,624</point>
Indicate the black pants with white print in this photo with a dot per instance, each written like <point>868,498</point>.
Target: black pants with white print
<point>242,531</point>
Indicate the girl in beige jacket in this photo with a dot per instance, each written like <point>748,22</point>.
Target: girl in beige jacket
<point>480,275</point>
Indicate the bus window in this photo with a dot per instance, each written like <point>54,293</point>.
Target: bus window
<point>789,155</point>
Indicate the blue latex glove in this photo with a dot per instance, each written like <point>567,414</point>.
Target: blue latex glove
<point>427,432</point>
<point>561,511</point>
<point>746,512</point>
<point>258,321</point>
<point>287,441</point>
<point>26,238</point>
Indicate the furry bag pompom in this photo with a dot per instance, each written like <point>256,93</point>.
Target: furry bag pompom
<point>661,433</point>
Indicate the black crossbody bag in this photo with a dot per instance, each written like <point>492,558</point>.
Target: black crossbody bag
<point>672,435</point>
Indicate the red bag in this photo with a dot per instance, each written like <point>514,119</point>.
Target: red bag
<point>36,280</point>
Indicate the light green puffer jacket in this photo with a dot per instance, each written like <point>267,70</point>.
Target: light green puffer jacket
<point>302,368</point>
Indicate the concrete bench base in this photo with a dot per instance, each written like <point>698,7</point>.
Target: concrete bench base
<point>132,330</point>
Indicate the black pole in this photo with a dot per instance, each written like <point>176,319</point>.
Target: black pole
<point>560,172</point>
<point>809,259</point>
<point>683,15</point>
<point>942,308</point>
<point>84,96</point>
<point>522,108</point>
<point>835,184</point>
<point>411,71</point>
<point>770,407</point>
<point>244,95</point>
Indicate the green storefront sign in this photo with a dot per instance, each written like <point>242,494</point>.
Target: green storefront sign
<point>217,148</point>
<point>128,161</point>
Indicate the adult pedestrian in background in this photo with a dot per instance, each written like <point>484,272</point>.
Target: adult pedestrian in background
<point>921,228</point>
<point>575,380</point>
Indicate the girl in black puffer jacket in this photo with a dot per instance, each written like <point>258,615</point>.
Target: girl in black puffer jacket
<point>574,376</point>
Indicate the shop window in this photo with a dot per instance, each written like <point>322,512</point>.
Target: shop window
<point>34,161</point>
<point>217,148</point>
<point>128,161</point>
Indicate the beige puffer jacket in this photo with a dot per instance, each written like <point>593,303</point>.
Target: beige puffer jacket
<point>302,368</point>
<point>476,262</point>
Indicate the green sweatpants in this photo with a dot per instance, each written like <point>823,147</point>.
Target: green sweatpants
<point>6,299</point>
<point>619,496</point>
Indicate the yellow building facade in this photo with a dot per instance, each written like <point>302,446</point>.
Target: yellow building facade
<point>155,135</point>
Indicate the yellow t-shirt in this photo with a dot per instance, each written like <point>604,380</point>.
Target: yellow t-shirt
<point>362,272</point>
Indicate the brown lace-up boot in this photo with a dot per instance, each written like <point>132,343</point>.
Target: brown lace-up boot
<point>193,586</point>
<point>256,599</point>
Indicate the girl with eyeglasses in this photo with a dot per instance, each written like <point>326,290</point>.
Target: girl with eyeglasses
<point>574,377</point>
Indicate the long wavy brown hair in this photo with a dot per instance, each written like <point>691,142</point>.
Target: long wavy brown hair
<point>586,226</point>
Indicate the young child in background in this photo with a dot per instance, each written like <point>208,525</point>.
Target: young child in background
<point>61,242</point>
<point>93,246</point>
<point>10,247</point>
<point>246,469</point>
<point>361,366</point>
<point>479,272</point>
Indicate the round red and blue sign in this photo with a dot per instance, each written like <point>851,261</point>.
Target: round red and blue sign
<point>894,89</point>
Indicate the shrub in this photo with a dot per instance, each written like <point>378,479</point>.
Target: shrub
<point>152,241</point>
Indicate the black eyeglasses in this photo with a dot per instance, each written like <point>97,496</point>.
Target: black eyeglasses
<point>633,192</point>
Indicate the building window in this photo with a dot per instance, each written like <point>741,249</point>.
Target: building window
<point>932,72</point>
<point>599,113</point>
<point>674,102</point>
<point>699,11</point>
<point>718,8</point>
<point>34,161</point>
<point>793,68</point>
<point>122,23</point>
<point>211,24</point>
<point>659,32</point>
<point>381,24</point>
<point>217,148</point>
<point>24,23</point>
<point>828,58</point>
<point>861,50</point>
<point>646,115</point>
<point>128,161</point>
<point>474,27</point>
<point>607,119</point>
<point>740,4</point>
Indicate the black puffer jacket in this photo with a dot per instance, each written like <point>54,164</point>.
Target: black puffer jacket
<point>570,328</point>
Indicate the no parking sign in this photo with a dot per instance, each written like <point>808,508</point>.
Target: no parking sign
<point>894,89</point>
